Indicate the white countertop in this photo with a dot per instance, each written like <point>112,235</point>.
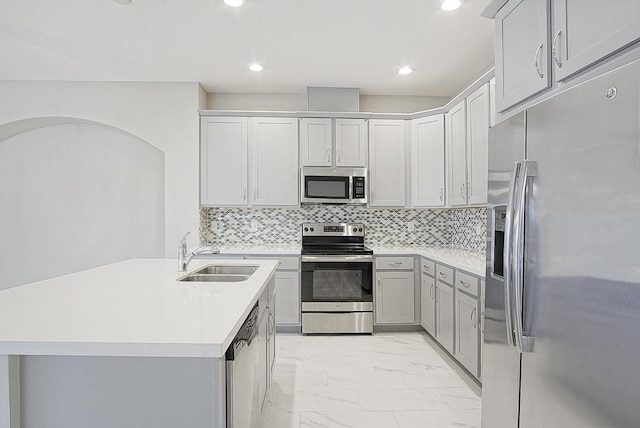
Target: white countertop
<point>131,308</point>
<point>472,262</point>
<point>468,261</point>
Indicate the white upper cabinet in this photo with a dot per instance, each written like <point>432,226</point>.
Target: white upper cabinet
<point>274,159</point>
<point>351,142</point>
<point>540,43</point>
<point>224,160</point>
<point>427,162</point>
<point>386,160</point>
<point>522,51</point>
<point>585,31</point>
<point>478,120</point>
<point>333,142</point>
<point>315,142</point>
<point>456,133</point>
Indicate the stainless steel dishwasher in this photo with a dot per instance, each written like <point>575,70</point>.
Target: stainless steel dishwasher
<point>243,402</point>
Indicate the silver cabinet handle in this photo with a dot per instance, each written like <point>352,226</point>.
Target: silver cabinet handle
<point>329,155</point>
<point>339,155</point>
<point>255,193</point>
<point>427,268</point>
<point>441,194</point>
<point>465,284</point>
<point>473,318</point>
<point>394,263</point>
<point>482,321</point>
<point>536,60</point>
<point>378,284</point>
<point>468,187</point>
<point>507,251</point>
<point>442,274</point>
<point>244,193</point>
<point>462,190</point>
<point>431,292</point>
<point>554,50</point>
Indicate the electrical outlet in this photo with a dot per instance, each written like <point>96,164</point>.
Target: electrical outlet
<point>214,226</point>
<point>254,225</point>
<point>411,226</point>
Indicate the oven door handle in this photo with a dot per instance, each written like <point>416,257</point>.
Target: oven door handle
<point>336,258</point>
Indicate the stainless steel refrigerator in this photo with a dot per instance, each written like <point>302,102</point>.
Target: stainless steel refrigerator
<point>562,320</point>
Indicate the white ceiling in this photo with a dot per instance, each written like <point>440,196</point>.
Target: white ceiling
<point>342,43</point>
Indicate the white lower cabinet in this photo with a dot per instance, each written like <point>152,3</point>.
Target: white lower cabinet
<point>395,290</point>
<point>445,325</point>
<point>287,298</point>
<point>266,342</point>
<point>467,332</point>
<point>427,297</point>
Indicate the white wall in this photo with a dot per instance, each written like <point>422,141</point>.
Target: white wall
<point>164,115</point>
<point>298,102</point>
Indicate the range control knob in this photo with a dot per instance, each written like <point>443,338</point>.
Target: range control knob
<point>311,229</point>
<point>360,229</point>
<point>306,229</point>
<point>355,229</point>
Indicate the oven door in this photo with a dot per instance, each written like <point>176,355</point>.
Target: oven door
<point>337,283</point>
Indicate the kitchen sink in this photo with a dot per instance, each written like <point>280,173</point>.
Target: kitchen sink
<point>220,273</point>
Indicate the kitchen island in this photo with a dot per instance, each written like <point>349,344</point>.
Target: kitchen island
<point>123,344</point>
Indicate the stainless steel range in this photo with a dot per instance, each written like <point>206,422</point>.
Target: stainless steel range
<point>337,279</point>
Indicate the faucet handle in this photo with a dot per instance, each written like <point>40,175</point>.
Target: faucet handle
<point>183,241</point>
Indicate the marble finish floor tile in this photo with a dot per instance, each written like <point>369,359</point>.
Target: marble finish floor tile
<point>438,419</point>
<point>348,420</point>
<point>390,380</point>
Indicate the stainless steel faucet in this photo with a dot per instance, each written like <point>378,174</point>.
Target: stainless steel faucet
<point>184,257</point>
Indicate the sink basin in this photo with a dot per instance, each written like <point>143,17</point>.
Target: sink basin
<point>220,273</point>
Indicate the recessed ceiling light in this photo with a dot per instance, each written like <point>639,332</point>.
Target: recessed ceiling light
<point>256,67</point>
<point>450,4</point>
<point>405,70</point>
<point>122,1</point>
<point>234,3</point>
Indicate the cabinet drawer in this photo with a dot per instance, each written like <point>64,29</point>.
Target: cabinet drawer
<point>444,274</point>
<point>467,283</point>
<point>428,267</point>
<point>394,263</point>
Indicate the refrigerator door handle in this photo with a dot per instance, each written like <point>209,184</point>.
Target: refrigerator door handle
<point>508,253</point>
<point>523,343</point>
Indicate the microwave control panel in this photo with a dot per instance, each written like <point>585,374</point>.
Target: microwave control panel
<point>358,188</point>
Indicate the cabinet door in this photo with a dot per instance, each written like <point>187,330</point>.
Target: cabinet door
<point>271,341</point>
<point>395,297</point>
<point>585,31</point>
<point>223,156</point>
<point>428,304</point>
<point>351,142</point>
<point>274,159</point>
<point>287,298</point>
<point>386,173</point>
<point>457,146</point>
<point>315,142</point>
<point>522,51</point>
<point>427,161</point>
<point>263,357</point>
<point>445,304</point>
<point>477,145</point>
<point>467,332</point>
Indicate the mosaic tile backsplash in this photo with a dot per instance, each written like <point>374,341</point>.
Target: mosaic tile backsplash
<point>463,228</point>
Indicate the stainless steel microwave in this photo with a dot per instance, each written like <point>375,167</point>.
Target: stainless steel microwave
<point>334,185</point>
